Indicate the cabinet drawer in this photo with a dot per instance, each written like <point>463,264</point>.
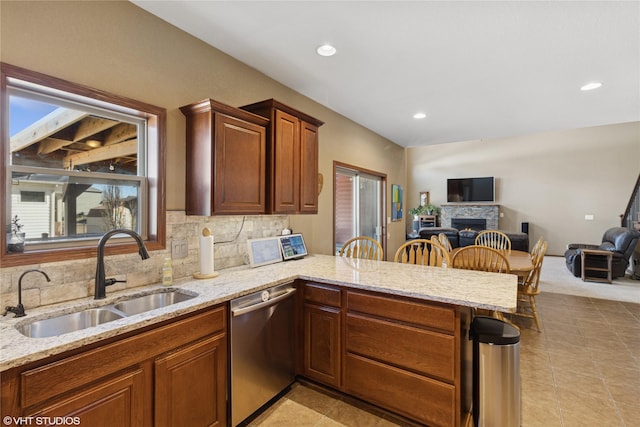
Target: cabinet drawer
<point>426,352</point>
<point>116,402</point>
<point>67,374</point>
<point>423,399</point>
<point>322,294</point>
<point>422,314</point>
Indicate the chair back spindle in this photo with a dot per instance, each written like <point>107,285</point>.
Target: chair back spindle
<point>362,247</point>
<point>444,241</point>
<point>423,252</point>
<point>494,239</point>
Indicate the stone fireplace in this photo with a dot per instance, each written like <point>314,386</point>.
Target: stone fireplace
<point>477,224</point>
<point>453,215</point>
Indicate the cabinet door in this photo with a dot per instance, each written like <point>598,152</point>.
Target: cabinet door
<point>191,384</point>
<point>240,166</point>
<point>322,344</point>
<point>286,163</point>
<point>117,401</point>
<point>308,168</point>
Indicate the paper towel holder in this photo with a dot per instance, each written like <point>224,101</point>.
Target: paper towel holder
<point>205,233</point>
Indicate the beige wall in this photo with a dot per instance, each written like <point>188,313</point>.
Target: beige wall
<point>117,47</point>
<point>552,180</point>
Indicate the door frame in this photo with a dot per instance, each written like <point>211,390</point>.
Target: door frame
<point>383,201</point>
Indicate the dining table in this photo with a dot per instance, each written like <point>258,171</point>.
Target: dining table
<point>520,262</point>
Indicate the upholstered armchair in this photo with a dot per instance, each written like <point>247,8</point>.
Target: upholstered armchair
<point>620,241</point>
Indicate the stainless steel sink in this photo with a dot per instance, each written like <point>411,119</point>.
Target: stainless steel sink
<point>66,323</point>
<point>151,302</point>
<point>69,322</point>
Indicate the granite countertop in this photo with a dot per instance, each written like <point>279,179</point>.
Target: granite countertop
<point>491,291</point>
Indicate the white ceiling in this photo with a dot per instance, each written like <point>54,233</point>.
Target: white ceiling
<point>478,69</point>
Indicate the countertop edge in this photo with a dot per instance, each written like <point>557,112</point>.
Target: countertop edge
<point>378,276</point>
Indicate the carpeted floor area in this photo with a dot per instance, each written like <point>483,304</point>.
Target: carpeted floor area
<point>556,278</point>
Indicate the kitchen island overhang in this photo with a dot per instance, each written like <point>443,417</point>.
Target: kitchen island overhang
<point>473,289</point>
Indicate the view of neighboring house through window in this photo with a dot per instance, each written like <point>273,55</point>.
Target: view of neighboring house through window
<point>76,166</point>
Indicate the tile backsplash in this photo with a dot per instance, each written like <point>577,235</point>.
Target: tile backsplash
<point>74,279</point>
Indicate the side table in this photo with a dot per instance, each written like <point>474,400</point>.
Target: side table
<point>596,265</point>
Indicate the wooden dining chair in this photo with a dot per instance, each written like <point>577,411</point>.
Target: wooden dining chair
<point>444,241</point>
<point>423,252</point>
<point>480,258</point>
<point>362,247</point>
<point>494,239</point>
<point>536,248</point>
<point>529,289</point>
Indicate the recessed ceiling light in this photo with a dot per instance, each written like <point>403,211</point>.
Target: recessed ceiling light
<point>326,50</point>
<point>591,86</point>
<point>419,115</point>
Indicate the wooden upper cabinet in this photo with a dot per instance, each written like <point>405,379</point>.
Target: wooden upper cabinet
<point>292,158</point>
<point>309,168</point>
<point>226,160</point>
<point>285,152</point>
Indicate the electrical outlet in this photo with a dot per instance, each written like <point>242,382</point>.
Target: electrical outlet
<point>588,217</point>
<point>179,249</point>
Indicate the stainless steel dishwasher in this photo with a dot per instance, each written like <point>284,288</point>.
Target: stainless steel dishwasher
<point>262,352</point>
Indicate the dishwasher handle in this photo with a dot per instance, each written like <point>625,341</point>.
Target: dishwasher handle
<point>260,305</point>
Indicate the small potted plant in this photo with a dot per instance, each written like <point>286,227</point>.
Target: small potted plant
<point>15,237</point>
<point>430,209</point>
<point>416,212</point>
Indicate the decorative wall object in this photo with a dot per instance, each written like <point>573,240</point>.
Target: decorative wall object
<point>424,198</point>
<point>396,202</point>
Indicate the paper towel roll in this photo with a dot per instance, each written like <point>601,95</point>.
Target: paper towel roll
<point>206,255</point>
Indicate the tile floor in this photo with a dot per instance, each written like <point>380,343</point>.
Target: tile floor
<point>582,370</point>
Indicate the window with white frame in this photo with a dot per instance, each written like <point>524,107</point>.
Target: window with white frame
<point>87,160</point>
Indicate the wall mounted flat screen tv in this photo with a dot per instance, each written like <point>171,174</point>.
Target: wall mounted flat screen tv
<point>470,189</point>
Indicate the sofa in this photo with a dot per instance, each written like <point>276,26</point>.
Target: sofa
<point>460,238</point>
<point>621,241</point>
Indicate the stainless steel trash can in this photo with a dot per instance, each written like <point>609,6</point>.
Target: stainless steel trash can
<point>496,373</point>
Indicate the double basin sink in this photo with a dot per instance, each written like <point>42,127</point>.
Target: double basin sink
<point>79,320</point>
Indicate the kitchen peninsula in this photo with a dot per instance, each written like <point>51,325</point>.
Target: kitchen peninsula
<point>428,307</point>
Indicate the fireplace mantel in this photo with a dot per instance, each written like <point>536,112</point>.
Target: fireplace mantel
<point>488,211</point>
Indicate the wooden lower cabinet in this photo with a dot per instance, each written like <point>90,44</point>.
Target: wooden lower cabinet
<point>322,344</point>
<point>408,356</point>
<point>117,401</point>
<point>172,374</point>
<point>412,395</point>
<point>322,325</point>
<point>189,385</point>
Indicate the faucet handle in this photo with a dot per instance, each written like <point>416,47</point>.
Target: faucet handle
<point>111,281</point>
<point>18,310</point>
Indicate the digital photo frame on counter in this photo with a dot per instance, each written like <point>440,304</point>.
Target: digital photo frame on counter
<point>292,246</point>
<point>264,251</point>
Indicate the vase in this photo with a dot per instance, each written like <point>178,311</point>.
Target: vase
<point>15,242</point>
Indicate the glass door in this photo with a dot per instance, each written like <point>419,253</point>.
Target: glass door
<point>358,205</point>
